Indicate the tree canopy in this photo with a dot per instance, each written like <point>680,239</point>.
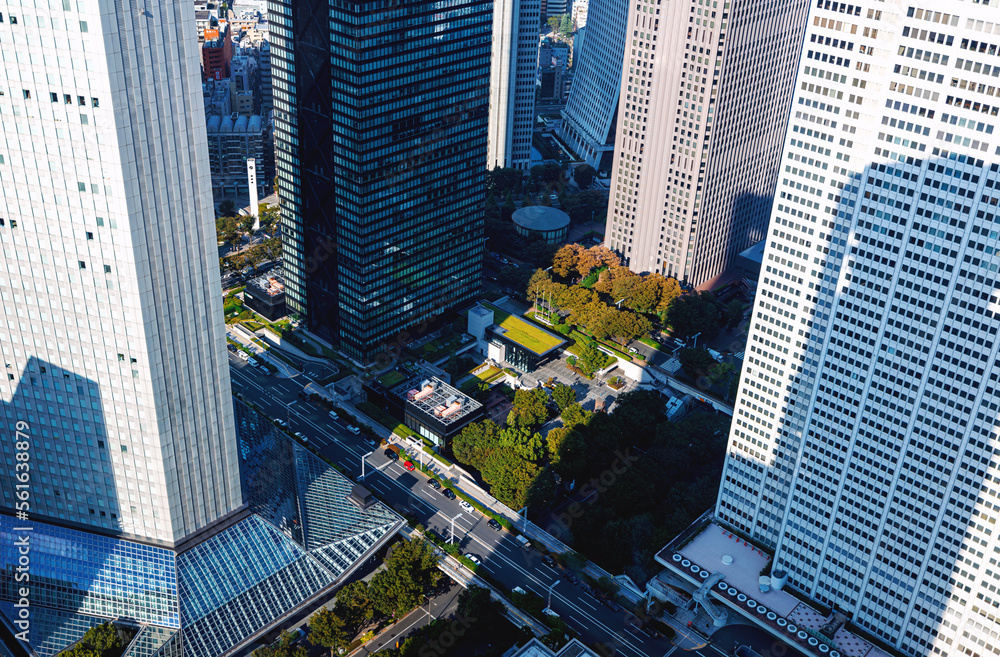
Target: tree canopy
<point>283,647</point>
<point>326,629</point>
<point>584,175</point>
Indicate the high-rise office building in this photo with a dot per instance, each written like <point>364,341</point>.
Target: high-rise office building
<point>380,116</point>
<point>120,467</point>
<point>591,114</point>
<point>512,83</point>
<point>864,444</point>
<point>704,99</point>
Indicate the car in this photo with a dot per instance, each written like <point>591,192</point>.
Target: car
<point>553,197</point>
<point>408,465</point>
<point>298,434</point>
<point>391,455</point>
<point>549,561</point>
<point>474,559</point>
<point>633,350</point>
<point>243,355</point>
<point>281,423</point>
<point>333,415</point>
<point>231,347</point>
<point>434,483</point>
<point>519,591</point>
<point>353,429</point>
<point>302,395</point>
<point>549,612</point>
<point>494,524</point>
<point>466,506</point>
<point>449,493</point>
<point>253,361</point>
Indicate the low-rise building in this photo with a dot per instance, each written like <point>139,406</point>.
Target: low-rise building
<point>216,52</point>
<point>429,406</point>
<point>511,340</point>
<point>265,294</point>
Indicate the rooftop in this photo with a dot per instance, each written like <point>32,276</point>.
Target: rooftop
<point>541,218</point>
<point>531,337</point>
<point>271,282</point>
<point>535,648</point>
<point>715,549</point>
<point>436,398</point>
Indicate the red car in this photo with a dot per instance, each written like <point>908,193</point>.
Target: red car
<point>408,465</point>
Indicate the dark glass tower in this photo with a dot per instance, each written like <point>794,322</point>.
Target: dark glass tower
<point>381,113</point>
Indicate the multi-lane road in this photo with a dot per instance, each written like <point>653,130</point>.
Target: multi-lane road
<point>409,493</point>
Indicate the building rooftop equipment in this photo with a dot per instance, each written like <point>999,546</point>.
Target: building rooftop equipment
<point>436,398</point>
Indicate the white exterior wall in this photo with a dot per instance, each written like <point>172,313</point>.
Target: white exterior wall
<point>865,431</point>
<point>512,83</point>
<point>676,69</point>
<point>122,187</point>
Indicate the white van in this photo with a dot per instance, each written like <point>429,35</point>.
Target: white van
<point>242,355</point>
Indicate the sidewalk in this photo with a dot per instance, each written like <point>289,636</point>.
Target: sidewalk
<point>240,334</point>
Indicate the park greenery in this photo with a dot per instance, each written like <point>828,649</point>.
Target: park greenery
<point>477,627</point>
<point>635,503</point>
<point>562,24</point>
<point>283,647</point>
<point>102,640</point>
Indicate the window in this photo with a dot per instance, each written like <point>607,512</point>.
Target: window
<point>83,26</point>
<point>54,97</point>
<point>81,186</point>
<point>90,235</point>
<point>121,357</point>
<point>82,264</point>
<point>84,119</point>
<point>94,103</point>
<point>124,448</point>
<point>81,101</point>
<point>67,99</point>
<point>100,221</point>
<point>27,94</point>
<point>13,20</point>
<point>107,269</point>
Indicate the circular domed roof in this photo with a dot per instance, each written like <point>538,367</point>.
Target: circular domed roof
<point>541,218</point>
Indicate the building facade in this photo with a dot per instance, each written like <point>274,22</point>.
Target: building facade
<point>232,140</point>
<point>381,122</point>
<point>591,115</point>
<point>512,83</point>
<point>216,52</point>
<point>116,404</point>
<point>863,447</point>
<point>691,93</point>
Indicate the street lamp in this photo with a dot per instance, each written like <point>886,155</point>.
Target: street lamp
<point>452,540</point>
<point>619,303</point>
<point>696,340</point>
<point>548,605</point>
<point>524,517</point>
<point>363,464</point>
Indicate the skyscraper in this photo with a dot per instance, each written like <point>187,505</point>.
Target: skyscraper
<point>863,447</point>
<point>591,114</point>
<point>381,116</point>
<point>512,83</point>
<point>704,98</point>
<point>120,471</point>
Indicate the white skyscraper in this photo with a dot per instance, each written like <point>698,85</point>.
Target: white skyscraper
<point>863,446</point>
<point>704,98</point>
<point>111,316</point>
<point>590,117</point>
<point>119,467</point>
<point>513,63</point>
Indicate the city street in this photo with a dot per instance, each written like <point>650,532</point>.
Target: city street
<point>408,493</point>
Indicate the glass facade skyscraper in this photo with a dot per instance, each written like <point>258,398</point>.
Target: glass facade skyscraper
<point>381,113</point>
<point>296,538</point>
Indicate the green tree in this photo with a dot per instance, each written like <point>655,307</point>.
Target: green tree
<point>509,476</point>
<point>410,569</point>
<point>574,416</point>
<point>584,175</point>
<point>733,313</point>
<point>566,24</point>
<point>508,208</point>
<point>693,314</point>
<point>226,229</point>
<point>282,648</point>
<point>696,362</point>
<point>270,217</point>
<point>327,629</point>
<point>554,22</point>
<point>227,208</point>
<point>563,396</point>
<point>475,603</point>
<point>530,408</point>
<point>474,443</point>
<point>354,604</point>
<point>98,641</point>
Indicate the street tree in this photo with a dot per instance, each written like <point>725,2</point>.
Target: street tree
<point>326,629</point>
<point>530,408</point>
<point>282,648</point>
<point>227,208</point>
<point>696,362</point>
<point>584,175</point>
<point>696,313</point>
<point>563,395</point>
